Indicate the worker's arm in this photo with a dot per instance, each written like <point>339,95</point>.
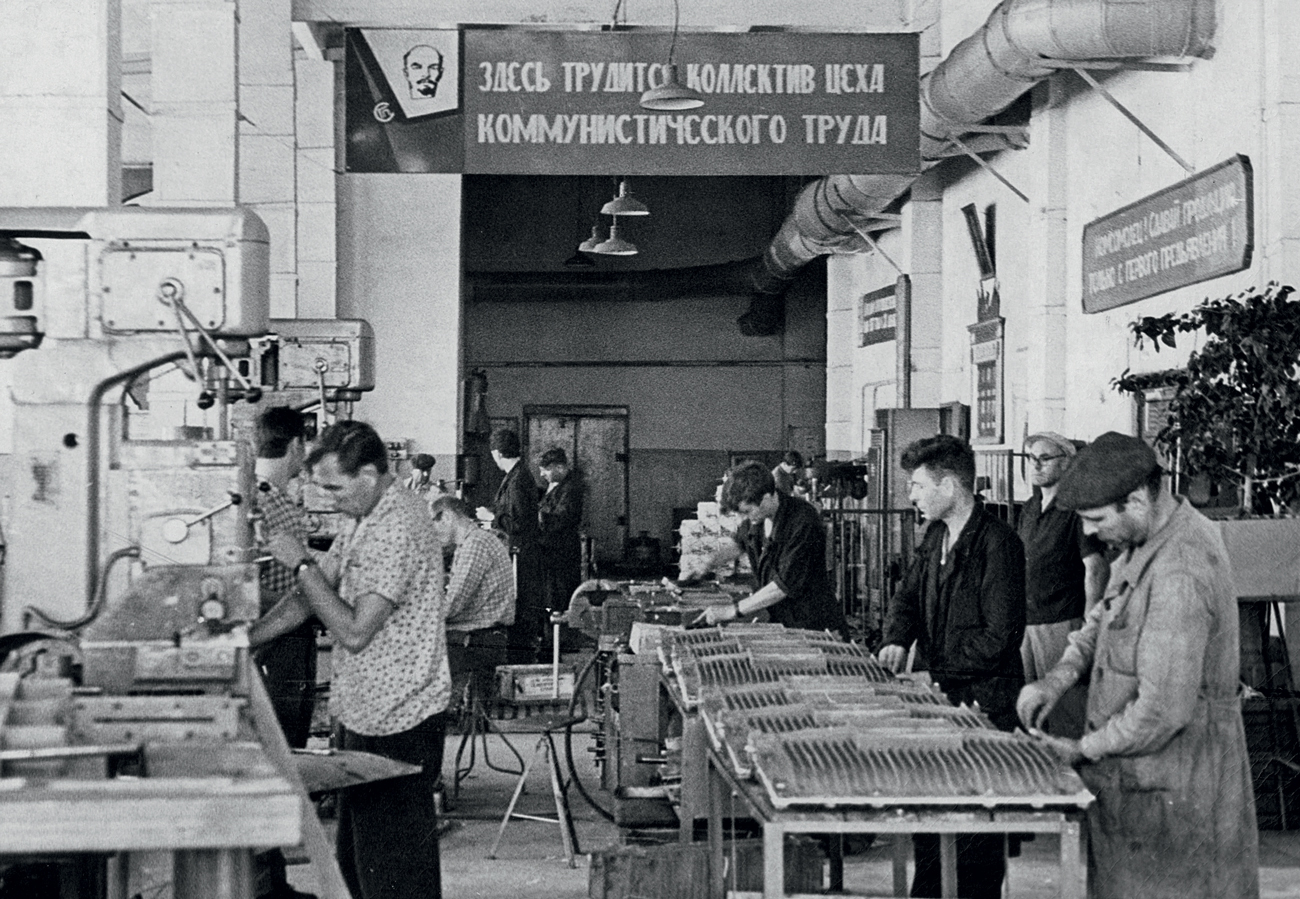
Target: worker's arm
<point>288,613</point>
<point>1096,574</point>
<point>352,627</point>
<point>769,595</point>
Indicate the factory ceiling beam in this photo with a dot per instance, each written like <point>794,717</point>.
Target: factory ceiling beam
<point>830,15</point>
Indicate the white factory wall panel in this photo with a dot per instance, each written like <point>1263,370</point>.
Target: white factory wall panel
<point>1084,161</point>
<point>402,274</point>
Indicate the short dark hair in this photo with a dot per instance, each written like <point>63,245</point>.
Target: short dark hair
<point>506,442</point>
<point>943,453</point>
<point>355,443</point>
<point>554,456</point>
<point>277,428</point>
<point>747,482</point>
<point>453,504</point>
<point>793,458</point>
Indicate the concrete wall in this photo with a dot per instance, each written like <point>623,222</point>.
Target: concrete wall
<point>696,389</point>
<point>1085,160</point>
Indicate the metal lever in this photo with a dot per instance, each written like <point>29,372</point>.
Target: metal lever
<point>176,529</point>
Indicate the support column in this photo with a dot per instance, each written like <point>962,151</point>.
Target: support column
<point>1047,348</point>
<point>923,223</point>
<point>316,191</point>
<point>267,169</point>
<point>60,101</point>
<point>195,103</point>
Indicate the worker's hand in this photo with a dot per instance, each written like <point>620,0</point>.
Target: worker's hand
<point>718,614</point>
<point>484,514</point>
<point>892,657</point>
<point>287,549</point>
<point>1034,704</point>
<point>1064,749</point>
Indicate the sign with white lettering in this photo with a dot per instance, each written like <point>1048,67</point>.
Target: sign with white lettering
<point>1198,229</point>
<point>877,316</point>
<point>567,103</point>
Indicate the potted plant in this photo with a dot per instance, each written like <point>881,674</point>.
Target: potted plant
<point>1233,423</point>
<point>1234,410</point>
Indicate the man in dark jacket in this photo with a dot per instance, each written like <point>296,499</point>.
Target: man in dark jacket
<point>963,602</point>
<point>514,513</point>
<point>790,563</point>
<point>559,517</point>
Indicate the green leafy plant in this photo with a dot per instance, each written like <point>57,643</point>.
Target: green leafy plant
<point>1234,417</point>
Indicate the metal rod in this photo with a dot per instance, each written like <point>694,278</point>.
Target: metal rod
<point>982,163</point>
<point>1141,126</point>
<point>875,246</point>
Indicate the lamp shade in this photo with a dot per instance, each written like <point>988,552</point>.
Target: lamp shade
<point>615,245</point>
<point>624,203</point>
<point>671,95</point>
<point>578,260</point>
<point>589,245</point>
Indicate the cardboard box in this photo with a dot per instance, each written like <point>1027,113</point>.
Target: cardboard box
<point>526,683</point>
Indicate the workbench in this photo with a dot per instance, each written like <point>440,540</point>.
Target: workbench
<point>717,786</point>
<point>725,788</point>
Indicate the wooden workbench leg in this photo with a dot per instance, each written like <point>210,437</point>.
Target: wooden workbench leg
<point>948,865</point>
<point>902,852</point>
<point>773,861</point>
<point>695,776</point>
<point>117,876</point>
<point>716,808</point>
<point>213,874</point>
<point>1074,869</point>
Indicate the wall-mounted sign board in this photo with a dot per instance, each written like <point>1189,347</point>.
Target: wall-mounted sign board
<point>525,101</point>
<point>1195,230</point>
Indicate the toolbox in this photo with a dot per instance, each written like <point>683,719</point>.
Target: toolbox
<point>533,683</point>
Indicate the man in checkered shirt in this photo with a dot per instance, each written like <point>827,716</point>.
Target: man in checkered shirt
<point>480,595</point>
<point>287,663</point>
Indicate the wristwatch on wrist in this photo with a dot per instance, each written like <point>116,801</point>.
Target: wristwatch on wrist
<point>303,564</point>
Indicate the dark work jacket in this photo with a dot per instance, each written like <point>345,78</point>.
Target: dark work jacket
<point>968,617</point>
<point>795,559</point>
<point>515,508</point>
<point>559,514</point>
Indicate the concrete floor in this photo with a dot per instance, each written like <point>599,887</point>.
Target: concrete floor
<point>531,863</point>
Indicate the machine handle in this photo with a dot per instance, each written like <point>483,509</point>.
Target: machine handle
<point>176,529</point>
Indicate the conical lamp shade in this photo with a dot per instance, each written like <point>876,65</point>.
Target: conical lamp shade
<point>624,203</point>
<point>589,245</point>
<point>671,95</point>
<point>578,260</point>
<point>615,246</point>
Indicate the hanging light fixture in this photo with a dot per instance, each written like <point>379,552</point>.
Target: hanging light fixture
<point>624,203</point>
<point>615,245</point>
<point>578,260</point>
<point>672,95</point>
<point>589,245</point>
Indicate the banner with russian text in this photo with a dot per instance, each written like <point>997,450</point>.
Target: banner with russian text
<point>567,103</point>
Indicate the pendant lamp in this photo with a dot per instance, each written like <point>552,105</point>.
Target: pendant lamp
<point>615,245</point>
<point>672,95</point>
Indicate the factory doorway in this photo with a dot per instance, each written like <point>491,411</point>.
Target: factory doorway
<point>596,441</point>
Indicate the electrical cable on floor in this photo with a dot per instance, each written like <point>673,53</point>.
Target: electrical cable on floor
<point>568,740</point>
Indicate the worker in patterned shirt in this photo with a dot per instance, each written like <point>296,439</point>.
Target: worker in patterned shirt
<point>480,595</point>
<point>287,663</point>
<point>379,593</point>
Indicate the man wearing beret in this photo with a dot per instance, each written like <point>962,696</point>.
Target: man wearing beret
<point>1164,748</point>
<point>1065,574</point>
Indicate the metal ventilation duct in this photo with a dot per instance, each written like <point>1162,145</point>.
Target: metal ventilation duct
<point>984,74</point>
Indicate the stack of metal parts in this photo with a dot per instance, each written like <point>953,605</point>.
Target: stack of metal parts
<point>819,722</point>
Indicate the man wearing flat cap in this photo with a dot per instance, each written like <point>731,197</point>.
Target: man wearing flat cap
<point>1065,574</point>
<point>1164,749</point>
